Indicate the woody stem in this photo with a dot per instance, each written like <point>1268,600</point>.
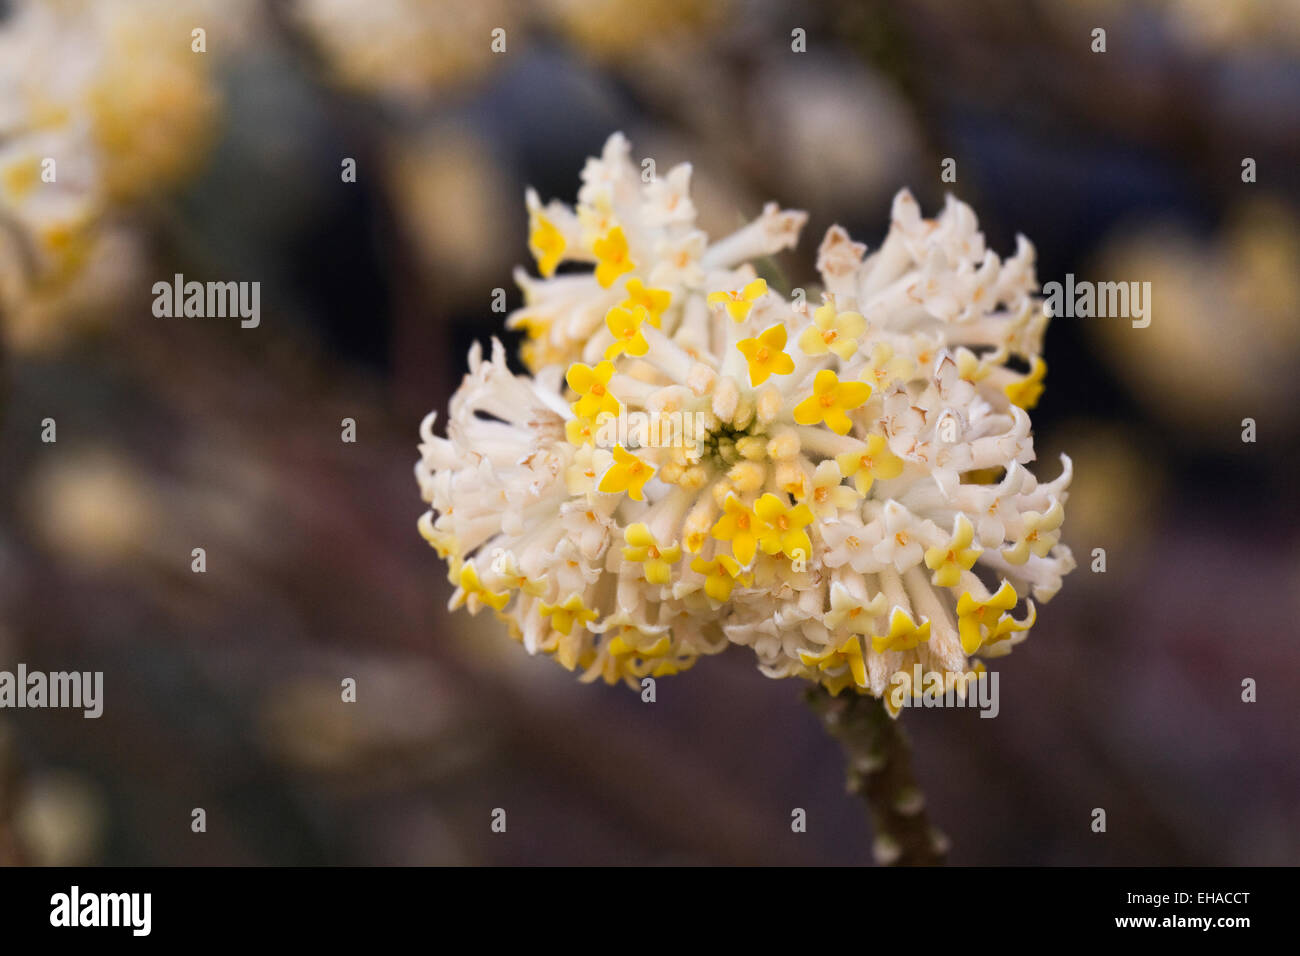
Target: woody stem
<point>879,769</point>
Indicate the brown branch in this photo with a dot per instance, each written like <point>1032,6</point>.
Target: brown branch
<point>880,771</point>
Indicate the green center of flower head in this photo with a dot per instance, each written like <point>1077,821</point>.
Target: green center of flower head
<point>726,444</point>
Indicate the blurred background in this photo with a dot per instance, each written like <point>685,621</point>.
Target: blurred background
<point>222,689</point>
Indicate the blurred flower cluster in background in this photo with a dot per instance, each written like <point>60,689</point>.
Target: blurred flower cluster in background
<point>222,688</point>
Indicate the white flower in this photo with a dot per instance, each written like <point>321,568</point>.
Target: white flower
<point>827,517</point>
<point>849,542</point>
<point>851,610</point>
<point>828,496</point>
<point>895,537</point>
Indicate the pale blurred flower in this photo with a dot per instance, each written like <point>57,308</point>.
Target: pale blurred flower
<point>451,189</point>
<point>1117,458</point>
<point>60,820</point>
<point>94,508</point>
<point>836,132</point>
<point>1213,26</point>
<point>408,49</point>
<point>101,104</point>
<point>1246,281</point>
<point>302,724</point>
<point>819,477</point>
<point>39,316</point>
<point>623,30</point>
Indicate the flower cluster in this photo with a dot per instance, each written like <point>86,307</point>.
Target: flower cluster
<point>840,486</point>
<point>101,104</point>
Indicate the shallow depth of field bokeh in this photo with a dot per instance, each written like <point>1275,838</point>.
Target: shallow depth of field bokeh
<point>222,688</point>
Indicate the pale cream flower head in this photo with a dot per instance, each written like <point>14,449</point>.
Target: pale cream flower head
<point>102,104</point>
<point>699,460</point>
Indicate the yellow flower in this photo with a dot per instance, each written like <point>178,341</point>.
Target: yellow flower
<point>536,348</point>
<point>564,616</point>
<point>513,577</point>
<point>833,331</point>
<point>546,243</point>
<point>534,326</point>
<point>850,612</point>
<point>20,177</point>
<point>1027,391</point>
<point>904,633</point>
<point>592,386</point>
<point>721,574</point>
<point>741,527</point>
<point>739,303</point>
<point>974,620</point>
<point>444,542</point>
<point>766,355</point>
<point>580,431</point>
<point>783,531</point>
<point>1042,531</point>
<point>830,402</point>
<point>1008,625</point>
<point>472,590</point>
<point>885,367</point>
<point>948,561</point>
<point>656,561</point>
<point>631,640</point>
<point>638,653</point>
<point>537,353</point>
<point>829,496</point>
<point>972,367</point>
<point>865,467</point>
<point>654,300</point>
<point>611,256</point>
<point>667,666</point>
<point>850,653</point>
<point>628,473</point>
<point>625,325</point>
<point>570,651</point>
